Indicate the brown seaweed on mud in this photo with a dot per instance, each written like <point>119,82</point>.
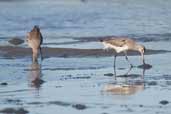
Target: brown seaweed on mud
<point>14,52</point>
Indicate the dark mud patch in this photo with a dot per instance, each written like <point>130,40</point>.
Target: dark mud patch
<point>79,77</point>
<point>13,101</point>
<point>11,52</point>
<point>145,66</point>
<point>4,84</point>
<point>16,41</point>
<point>141,106</point>
<point>130,75</point>
<point>167,76</point>
<point>152,83</point>
<point>35,103</point>
<point>109,74</point>
<point>121,68</point>
<point>164,102</point>
<point>61,103</point>
<point>59,86</point>
<point>79,106</point>
<point>104,113</point>
<point>14,111</point>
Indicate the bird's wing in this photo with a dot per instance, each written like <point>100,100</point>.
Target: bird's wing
<point>117,42</point>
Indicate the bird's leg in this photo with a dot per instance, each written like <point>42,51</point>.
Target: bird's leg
<point>130,68</point>
<point>142,57</point>
<point>128,59</point>
<point>35,55</point>
<point>41,54</point>
<point>114,65</point>
<point>143,74</point>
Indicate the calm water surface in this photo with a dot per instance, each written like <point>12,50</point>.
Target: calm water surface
<point>79,18</point>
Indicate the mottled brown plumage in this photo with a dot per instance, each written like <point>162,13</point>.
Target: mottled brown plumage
<point>34,40</point>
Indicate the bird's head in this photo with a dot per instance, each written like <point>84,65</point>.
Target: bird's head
<point>36,28</point>
<point>33,33</point>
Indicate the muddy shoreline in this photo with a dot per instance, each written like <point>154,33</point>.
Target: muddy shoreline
<point>10,52</point>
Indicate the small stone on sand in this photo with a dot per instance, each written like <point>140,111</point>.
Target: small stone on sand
<point>164,102</point>
<point>79,106</point>
<point>4,83</point>
<point>108,74</point>
<point>16,41</point>
<point>145,66</point>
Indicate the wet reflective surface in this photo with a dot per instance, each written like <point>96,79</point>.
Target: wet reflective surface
<point>84,83</point>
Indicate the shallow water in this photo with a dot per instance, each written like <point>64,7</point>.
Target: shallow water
<point>68,19</point>
<point>62,83</point>
<point>85,84</point>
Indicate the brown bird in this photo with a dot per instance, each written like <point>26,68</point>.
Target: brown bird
<point>34,40</point>
<point>123,44</point>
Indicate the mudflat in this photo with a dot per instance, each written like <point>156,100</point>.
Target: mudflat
<point>77,75</point>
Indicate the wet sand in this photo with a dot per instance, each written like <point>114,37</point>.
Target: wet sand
<point>89,74</point>
<point>77,75</point>
<point>10,52</point>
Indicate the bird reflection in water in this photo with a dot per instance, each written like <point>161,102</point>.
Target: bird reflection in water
<point>126,84</point>
<point>35,75</point>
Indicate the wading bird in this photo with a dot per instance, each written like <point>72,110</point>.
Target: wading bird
<point>122,44</point>
<point>34,40</point>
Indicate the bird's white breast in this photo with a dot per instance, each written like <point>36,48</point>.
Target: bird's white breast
<point>118,49</point>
